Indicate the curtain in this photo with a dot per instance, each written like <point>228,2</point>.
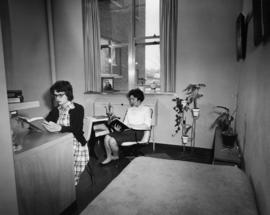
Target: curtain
<point>91,33</point>
<point>168,44</point>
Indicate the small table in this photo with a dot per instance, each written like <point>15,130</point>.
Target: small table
<point>224,155</point>
<point>96,132</point>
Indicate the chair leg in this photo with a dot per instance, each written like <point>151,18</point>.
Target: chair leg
<point>138,152</point>
<point>90,172</point>
<point>135,150</point>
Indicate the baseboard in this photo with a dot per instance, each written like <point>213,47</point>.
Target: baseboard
<point>178,146</point>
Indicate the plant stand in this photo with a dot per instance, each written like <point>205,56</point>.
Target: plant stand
<point>193,133</point>
<point>182,106</point>
<point>185,140</point>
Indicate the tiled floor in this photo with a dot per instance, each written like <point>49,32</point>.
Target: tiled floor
<point>87,190</point>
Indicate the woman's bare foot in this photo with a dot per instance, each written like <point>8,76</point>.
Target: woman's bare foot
<point>107,160</point>
<point>116,157</point>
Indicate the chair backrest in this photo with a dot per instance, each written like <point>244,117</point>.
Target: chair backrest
<point>145,139</point>
<point>87,127</point>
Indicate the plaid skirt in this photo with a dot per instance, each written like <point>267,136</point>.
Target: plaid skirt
<point>81,158</point>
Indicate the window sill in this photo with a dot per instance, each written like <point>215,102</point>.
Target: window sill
<point>105,75</point>
<point>125,92</point>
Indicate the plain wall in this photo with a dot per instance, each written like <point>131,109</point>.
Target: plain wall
<point>206,54</point>
<point>8,195</point>
<point>253,119</point>
<point>69,51</point>
<point>30,70</point>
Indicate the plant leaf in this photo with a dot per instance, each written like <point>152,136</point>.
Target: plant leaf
<point>225,108</point>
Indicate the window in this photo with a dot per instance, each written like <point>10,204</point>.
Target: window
<point>130,42</point>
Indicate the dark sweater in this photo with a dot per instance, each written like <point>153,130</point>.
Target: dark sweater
<point>76,121</point>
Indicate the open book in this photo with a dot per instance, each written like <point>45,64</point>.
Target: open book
<point>117,125</point>
<point>35,123</point>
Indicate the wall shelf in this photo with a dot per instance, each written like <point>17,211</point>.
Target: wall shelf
<point>23,105</point>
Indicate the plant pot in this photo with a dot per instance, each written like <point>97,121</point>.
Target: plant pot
<point>196,112</point>
<point>141,87</point>
<point>184,139</point>
<point>228,140</point>
<point>184,103</point>
<point>153,86</point>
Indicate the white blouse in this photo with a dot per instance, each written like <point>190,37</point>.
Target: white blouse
<point>138,115</point>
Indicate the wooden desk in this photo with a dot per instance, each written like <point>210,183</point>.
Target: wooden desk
<point>96,133</point>
<point>44,173</point>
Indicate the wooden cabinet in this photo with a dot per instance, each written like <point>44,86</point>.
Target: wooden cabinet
<point>44,173</point>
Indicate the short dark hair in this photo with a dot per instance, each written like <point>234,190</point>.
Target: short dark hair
<point>137,93</point>
<point>62,86</point>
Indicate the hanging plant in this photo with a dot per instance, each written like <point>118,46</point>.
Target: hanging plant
<point>179,108</point>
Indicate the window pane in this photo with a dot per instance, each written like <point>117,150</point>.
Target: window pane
<point>139,18</point>
<point>147,42</point>
<point>146,18</point>
<point>152,17</point>
<point>115,17</point>
<point>114,58</point>
<point>152,64</point>
<point>105,56</point>
<point>115,23</point>
<point>148,64</point>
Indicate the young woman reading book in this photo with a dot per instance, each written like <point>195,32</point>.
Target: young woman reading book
<point>138,119</point>
<point>68,116</point>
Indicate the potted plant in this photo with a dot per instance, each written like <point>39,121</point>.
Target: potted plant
<point>141,83</point>
<point>185,129</point>
<point>109,110</point>
<point>192,92</point>
<point>179,108</point>
<point>223,122</point>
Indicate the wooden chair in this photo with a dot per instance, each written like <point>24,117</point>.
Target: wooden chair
<point>94,129</point>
